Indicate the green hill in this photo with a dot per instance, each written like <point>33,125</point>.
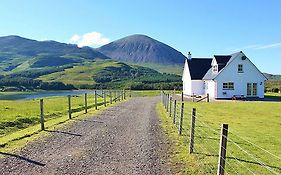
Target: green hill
<point>113,74</point>
<point>19,54</point>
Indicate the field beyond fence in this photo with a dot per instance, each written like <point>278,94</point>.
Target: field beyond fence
<point>253,135</point>
<point>18,115</point>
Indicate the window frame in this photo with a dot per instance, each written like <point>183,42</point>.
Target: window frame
<point>228,86</point>
<point>240,68</point>
<point>215,68</point>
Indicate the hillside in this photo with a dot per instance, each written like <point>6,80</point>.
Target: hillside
<point>18,54</point>
<point>113,74</point>
<point>142,49</point>
<point>272,76</point>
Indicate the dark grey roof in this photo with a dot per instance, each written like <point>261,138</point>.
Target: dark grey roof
<point>210,75</point>
<point>198,67</point>
<point>222,60</point>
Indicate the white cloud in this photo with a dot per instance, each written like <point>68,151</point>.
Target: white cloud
<point>89,39</point>
<point>75,39</point>
<point>268,46</point>
<point>257,47</point>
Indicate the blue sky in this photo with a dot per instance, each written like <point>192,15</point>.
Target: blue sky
<point>204,27</point>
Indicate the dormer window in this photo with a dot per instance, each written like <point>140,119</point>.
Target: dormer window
<point>215,68</point>
<point>240,68</point>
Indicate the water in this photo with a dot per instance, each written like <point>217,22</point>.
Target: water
<point>36,95</point>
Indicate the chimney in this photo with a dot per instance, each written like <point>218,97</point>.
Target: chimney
<point>189,56</point>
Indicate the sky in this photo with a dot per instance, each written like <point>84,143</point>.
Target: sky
<point>205,27</point>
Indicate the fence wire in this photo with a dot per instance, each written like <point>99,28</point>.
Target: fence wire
<point>243,156</point>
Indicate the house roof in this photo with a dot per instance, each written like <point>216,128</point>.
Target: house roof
<point>222,60</point>
<point>198,67</point>
<point>201,68</point>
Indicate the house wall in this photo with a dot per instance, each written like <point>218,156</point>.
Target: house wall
<point>197,87</point>
<point>210,88</point>
<point>187,90</point>
<point>186,80</point>
<point>230,74</point>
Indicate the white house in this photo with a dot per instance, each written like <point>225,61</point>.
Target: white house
<point>223,76</point>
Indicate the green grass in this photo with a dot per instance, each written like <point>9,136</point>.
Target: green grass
<point>257,122</point>
<point>16,113</point>
<point>79,75</point>
<point>170,69</point>
<point>274,96</point>
<point>18,139</point>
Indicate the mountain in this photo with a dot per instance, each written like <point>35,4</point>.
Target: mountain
<point>272,76</point>
<point>142,49</point>
<point>18,53</point>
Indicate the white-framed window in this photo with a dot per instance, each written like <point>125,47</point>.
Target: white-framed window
<point>228,86</point>
<point>240,68</point>
<point>215,68</point>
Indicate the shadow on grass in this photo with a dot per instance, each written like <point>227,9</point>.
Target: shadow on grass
<point>63,132</point>
<point>23,158</point>
<point>240,160</point>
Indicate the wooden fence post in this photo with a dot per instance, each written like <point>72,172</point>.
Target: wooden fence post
<point>175,112</point>
<point>110,95</point>
<point>181,118</point>
<point>222,153</point>
<point>182,96</point>
<point>119,95</point>
<point>86,105</point>
<point>170,106</point>
<point>192,129</point>
<point>208,98</point>
<point>69,106</point>
<point>122,95</point>
<point>193,96</point>
<point>96,100</point>
<point>42,114</point>
<point>167,103</point>
<point>104,98</point>
<point>164,100</point>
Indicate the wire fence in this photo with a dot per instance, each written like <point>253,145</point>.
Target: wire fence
<point>209,142</point>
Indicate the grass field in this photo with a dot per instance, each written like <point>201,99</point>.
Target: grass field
<point>256,122</point>
<point>15,115</point>
<point>19,120</point>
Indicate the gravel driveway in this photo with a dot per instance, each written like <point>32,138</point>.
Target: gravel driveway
<point>124,139</point>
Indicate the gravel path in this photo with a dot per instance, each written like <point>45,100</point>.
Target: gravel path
<point>124,139</point>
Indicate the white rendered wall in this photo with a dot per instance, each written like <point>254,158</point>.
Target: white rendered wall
<point>210,88</point>
<point>230,74</point>
<point>197,87</point>
<point>186,80</point>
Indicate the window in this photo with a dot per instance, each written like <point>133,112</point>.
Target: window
<point>215,68</point>
<point>228,86</point>
<point>254,89</point>
<point>240,68</point>
<point>249,89</point>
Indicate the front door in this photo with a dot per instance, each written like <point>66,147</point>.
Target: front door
<point>252,89</point>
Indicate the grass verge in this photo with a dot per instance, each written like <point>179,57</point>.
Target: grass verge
<point>18,139</point>
<point>254,131</point>
<point>182,162</point>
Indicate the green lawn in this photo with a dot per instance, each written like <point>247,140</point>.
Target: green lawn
<point>257,122</point>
